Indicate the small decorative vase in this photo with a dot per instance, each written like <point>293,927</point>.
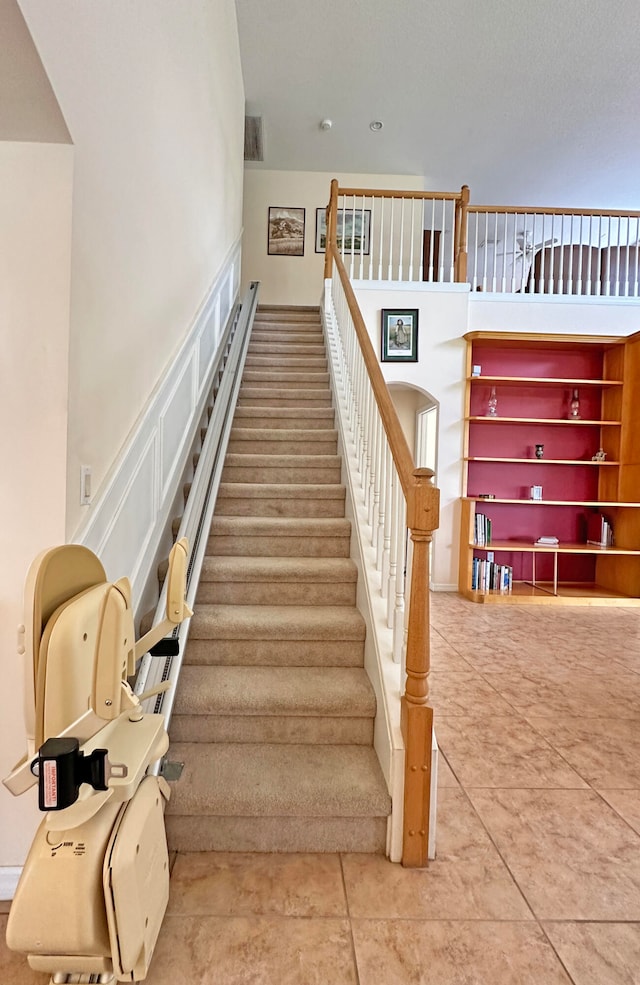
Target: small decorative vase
<point>492,406</point>
<point>539,451</point>
<point>574,407</point>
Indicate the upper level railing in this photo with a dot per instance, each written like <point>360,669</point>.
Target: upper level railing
<point>398,496</point>
<point>440,237</point>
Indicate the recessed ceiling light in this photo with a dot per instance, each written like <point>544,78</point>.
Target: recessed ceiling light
<point>326,124</point>
<point>376,125</point>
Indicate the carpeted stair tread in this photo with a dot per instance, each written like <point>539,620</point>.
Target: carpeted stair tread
<point>306,569</point>
<point>280,470</point>
<point>293,490</point>
<point>282,435</point>
<point>254,396</point>
<point>254,780</point>
<point>290,377</point>
<point>279,536</point>
<point>277,622</point>
<point>269,580</point>
<point>295,691</point>
<point>285,418</point>
<point>313,364</point>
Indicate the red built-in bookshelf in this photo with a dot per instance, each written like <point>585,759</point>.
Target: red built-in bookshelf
<point>535,378</point>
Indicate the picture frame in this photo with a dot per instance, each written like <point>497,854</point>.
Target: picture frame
<point>399,335</point>
<point>354,225</point>
<point>285,231</point>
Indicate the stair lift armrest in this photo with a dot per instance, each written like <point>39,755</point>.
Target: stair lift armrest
<point>176,609</point>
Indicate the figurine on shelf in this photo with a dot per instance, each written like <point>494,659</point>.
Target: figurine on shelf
<point>492,405</point>
<point>574,407</point>
<point>539,451</point>
<point>600,456</point>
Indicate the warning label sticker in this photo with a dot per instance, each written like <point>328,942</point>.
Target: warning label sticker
<point>50,783</point>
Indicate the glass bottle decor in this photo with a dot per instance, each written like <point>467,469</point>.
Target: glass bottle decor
<point>492,406</point>
<point>574,406</point>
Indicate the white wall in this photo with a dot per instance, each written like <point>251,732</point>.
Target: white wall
<point>153,97</point>
<point>295,280</point>
<point>35,248</point>
<point>107,251</point>
<point>446,313</point>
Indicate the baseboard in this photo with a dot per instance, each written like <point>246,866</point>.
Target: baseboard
<point>442,587</point>
<point>131,513</point>
<point>9,876</point>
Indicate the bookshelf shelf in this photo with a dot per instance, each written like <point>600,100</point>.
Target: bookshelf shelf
<point>541,381</point>
<point>535,381</point>
<point>544,461</point>
<point>543,420</point>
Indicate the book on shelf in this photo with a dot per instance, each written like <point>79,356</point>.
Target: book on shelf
<point>599,531</point>
<point>482,532</point>
<point>548,541</point>
<point>489,576</point>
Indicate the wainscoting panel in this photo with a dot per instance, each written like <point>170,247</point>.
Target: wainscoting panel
<point>127,520</point>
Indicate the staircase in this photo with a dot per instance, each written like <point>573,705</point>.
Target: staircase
<point>274,713</point>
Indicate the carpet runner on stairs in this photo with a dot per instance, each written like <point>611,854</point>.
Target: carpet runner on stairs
<point>274,712</point>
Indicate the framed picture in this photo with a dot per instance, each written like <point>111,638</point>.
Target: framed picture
<point>354,227</point>
<point>286,232</point>
<point>400,335</point>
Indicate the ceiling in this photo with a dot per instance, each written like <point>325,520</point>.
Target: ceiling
<point>528,104</point>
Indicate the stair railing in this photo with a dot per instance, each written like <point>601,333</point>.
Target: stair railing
<point>195,524</point>
<point>398,235</point>
<point>398,497</point>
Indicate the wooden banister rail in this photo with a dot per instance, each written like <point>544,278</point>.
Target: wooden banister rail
<point>422,499</point>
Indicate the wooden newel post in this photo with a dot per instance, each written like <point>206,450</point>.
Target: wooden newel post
<point>461,235</point>
<point>332,220</point>
<point>423,505</point>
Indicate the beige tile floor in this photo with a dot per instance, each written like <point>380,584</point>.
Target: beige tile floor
<point>537,879</point>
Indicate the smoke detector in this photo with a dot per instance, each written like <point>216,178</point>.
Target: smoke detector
<point>376,125</point>
<point>326,124</point>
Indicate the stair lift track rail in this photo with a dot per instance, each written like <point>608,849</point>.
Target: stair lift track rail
<point>196,520</point>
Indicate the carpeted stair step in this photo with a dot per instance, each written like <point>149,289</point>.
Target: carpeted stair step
<point>315,364</point>
<point>295,636</point>
<point>277,581</point>
<point>255,396</point>
<point>274,704</point>
<point>277,798</point>
<point>280,469</point>
<point>279,537</point>
<point>289,418</point>
<point>280,499</point>
<point>293,379</point>
<point>282,441</point>
<point>285,349</point>
<point>292,337</point>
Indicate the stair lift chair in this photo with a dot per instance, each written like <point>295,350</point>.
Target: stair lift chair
<point>95,885</point>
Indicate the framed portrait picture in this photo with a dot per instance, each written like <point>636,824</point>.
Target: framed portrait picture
<point>400,335</point>
<point>354,228</point>
<point>285,232</point>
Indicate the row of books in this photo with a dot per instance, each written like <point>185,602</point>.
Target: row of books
<point>482,533</point>
<point>487,575</point>
<point>599,530</point>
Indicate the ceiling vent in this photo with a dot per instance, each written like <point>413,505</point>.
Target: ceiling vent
<point>253,143</point>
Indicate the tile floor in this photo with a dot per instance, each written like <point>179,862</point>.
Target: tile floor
<point>537,880</point>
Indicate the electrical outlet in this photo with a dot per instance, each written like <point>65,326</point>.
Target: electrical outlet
<point>85,485</point>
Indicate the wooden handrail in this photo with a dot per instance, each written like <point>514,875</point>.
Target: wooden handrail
<point>402,456</point>
<point>409,193</point>
<point>423,505</point>
<point>537,210</point>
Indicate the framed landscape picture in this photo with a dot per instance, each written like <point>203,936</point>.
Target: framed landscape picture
<point>354,228</point>
<point>285,232</point>
<point>400,335</point>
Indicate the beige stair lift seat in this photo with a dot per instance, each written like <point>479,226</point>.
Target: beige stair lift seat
<point>95,884</point>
